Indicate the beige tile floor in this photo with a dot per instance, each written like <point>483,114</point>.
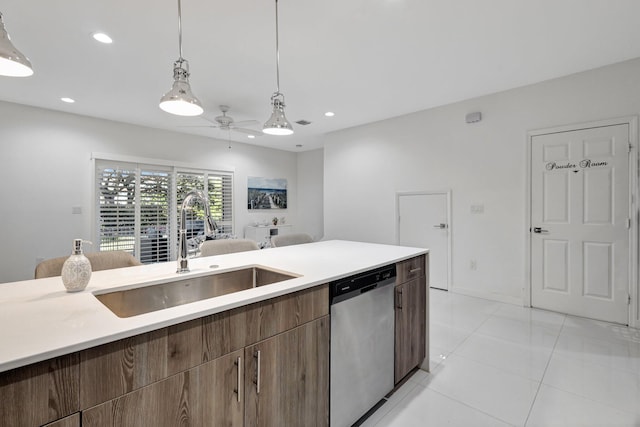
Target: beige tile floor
<point>495,364</point>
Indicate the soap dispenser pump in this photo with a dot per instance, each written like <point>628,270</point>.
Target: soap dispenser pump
<point>76,270</point>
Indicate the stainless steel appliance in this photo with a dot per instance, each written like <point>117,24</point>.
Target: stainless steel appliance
<point>362,343</point>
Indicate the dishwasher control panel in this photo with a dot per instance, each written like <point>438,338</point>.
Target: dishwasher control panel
<point>357,284</point>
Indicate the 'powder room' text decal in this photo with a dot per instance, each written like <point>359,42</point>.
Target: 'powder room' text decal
<point>584,164</point>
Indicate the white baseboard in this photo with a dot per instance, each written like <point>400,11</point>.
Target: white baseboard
<point>488,295</point>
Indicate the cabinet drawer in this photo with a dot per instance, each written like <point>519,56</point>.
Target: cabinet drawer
<point>410,269</point>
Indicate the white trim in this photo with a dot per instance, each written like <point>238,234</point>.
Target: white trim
<point>447,193</point>
<point>490,296</point>
<point>634,286</point>
<point>161,162</point>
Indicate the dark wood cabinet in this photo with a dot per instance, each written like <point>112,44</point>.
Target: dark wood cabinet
<point>40,393</point>
<point>411,307</point>
<point>70,421</point>
<point>191,373</point>
<point>208,395</point>
<point>287,378</point>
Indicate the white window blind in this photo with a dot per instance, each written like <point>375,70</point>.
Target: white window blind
<point>138,207</point>
<point>155,221</point>
<point>116,188</point>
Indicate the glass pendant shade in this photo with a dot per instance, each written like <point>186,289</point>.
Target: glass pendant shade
<point>12,62</point>
<point>180,100</point>
<point>277,123</point>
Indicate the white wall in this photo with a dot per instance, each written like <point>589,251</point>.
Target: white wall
<point>482,163</point>
<point>310,193</point>
<point>44,151</point>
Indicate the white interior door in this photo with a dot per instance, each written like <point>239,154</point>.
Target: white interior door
<point>423,222</point>
<point>580,222</point>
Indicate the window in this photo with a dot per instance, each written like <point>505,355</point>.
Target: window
<point>138,206</point>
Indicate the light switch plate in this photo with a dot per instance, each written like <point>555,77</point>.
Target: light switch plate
<point>477,209</point>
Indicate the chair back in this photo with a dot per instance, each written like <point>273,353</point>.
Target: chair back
<point>227,246</point>
<point>290,239</point>
<point>99,261</point>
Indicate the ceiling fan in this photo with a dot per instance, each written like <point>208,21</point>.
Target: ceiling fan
<point>226,123</point>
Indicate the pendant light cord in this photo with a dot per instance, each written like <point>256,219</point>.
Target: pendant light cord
<point>180,30</point>
<point>277,54</point>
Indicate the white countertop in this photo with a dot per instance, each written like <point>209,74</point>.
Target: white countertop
<point>40,320</point>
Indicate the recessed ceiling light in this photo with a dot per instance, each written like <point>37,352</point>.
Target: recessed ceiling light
<point>68,100</point>
<point>251,136</point>
<point>329,114</point>
<point>102,38</point>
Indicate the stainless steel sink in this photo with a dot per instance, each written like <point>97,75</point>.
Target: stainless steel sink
<point>135,301</point>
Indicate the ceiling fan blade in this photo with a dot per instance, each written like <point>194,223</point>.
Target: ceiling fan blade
<point>247,131</point>
<point>243,123</point>
<point>211,121</point>
<point>197,126</point>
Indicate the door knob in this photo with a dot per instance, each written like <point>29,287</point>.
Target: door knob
<point>441,226</point>
<point>539,230</point>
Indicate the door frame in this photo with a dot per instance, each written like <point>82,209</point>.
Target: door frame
<point>634,286</point>
<point>447,193</point>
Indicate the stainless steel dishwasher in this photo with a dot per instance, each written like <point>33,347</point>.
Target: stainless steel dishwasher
<point>362,343</point>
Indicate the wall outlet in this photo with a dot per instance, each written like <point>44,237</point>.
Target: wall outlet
<point>473,265</point>
<point>76,210</point>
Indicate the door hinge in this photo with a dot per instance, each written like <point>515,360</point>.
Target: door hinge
<point>628,223</point>
<point>629,299</point>
<point>630,147</point>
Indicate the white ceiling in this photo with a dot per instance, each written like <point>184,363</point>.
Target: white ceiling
<point>366,60</point>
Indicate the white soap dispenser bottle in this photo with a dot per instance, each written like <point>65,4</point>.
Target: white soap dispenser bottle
<point>76,270</point>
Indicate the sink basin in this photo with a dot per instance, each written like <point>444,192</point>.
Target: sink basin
<point>135,301</point>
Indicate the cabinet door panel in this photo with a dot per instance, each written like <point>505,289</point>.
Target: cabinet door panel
<point>293,378</point>
<point>411,316</point>
<point>39,393</point>
<point>203,396</point>
<point>70,421</point>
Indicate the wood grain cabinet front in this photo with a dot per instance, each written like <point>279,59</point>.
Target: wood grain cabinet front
<point>40,393</point>
<point>411,307</point>
<point>208,395</point>
<point>287,378</point>
<point>70,421</point>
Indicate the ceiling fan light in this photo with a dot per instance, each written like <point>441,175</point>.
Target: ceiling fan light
<point>277,123</point>
<point>13,63</point>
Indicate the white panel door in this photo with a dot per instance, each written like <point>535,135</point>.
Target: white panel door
<point>424,223</point>
<point>580,222</point>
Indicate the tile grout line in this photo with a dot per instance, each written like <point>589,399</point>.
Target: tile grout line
<point>469,406</point>
<point>533,402</point>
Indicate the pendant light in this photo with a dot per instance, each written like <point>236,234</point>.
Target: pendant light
<point>180,100</point>
<point>277,123</point>
<point>12,62</point>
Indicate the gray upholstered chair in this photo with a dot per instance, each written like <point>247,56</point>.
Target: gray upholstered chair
<point>290,239</point>
<point>227,246</point>
<point>99,261</point>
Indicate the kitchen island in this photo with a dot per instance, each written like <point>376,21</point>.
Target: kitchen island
<point>46,327</point>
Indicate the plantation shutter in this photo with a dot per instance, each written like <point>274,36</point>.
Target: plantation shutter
<point>138,207</point>
<point>220,192</point>
<point>116,210</point>
<point>155,222</point>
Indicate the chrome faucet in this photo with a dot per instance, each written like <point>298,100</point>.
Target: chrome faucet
<point>210,227</point>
